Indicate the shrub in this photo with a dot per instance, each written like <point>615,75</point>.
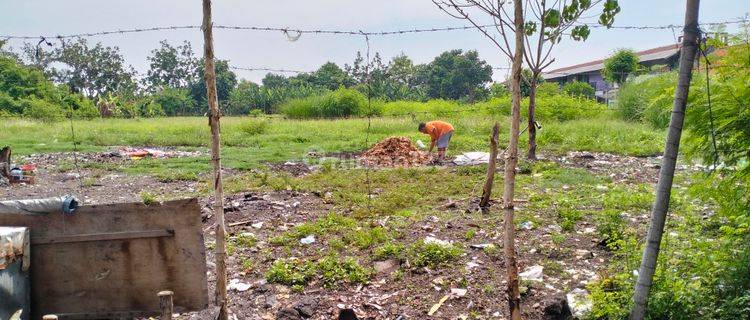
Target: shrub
<point>547,89</point>
<point>579,89</point>
<point>290,272</point>
<point>254,126</point>
<point>334,271</point>
<point>302,108</point>
<point>343,103</point>
<point>86,110</point>
<point>647,98</point>
<point>422,254</point>
<point>42,110</point>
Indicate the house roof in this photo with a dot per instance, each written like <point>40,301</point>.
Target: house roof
<point>662,52</point>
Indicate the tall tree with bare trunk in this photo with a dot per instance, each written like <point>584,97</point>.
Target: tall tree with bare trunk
<point>499,31</point>
<point>691,36</point>
<point>547,21</point>
<point>213,120</point>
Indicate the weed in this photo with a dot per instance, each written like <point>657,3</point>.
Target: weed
<point>334,270</point>
<point>470,234</point>
<point>148,198</point>
<point>432,254</point>
<point>568,218</point>
<point>364,238</point>
<point>610,227</point>
<point>290,272</point>
<point>558,238</point>
<point>388,250</point>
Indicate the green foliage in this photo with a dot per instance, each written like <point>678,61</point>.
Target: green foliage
<point>455,75</point>
<point>389,250</point>
<point>290,272</point>
<point>648,98</point>
<point>174,101</point>
<point>431,108</point>
<point>335,271</point>
<point>555,107</point>
<point>340,103</point>
<point>432,254</point>
<point>579,89</point>
<point>254,126</point>
<point>499,90</point>
<point>619,65</point>
<point>148,197</point>
<point>172,67</point>
<point>42,110</point>
<point>302,108</point>
<point>226,80</point>
<point>547,89</point>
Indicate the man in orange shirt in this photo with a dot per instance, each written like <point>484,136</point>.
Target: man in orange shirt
<point>440,133</point>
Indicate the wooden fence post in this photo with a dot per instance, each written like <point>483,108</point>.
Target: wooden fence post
<point>491,166</point>
<point>166,305</point>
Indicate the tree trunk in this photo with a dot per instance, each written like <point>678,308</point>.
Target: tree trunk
<point>668,163</point>
<point>487,190</point>
<point>213,120</point>
<point>531,155</point>
<point>511,159</point>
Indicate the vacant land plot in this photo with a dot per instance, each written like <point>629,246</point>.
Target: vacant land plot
<point>313,231</point>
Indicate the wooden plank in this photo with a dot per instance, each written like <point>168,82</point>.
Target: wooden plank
<point>90,279</point>
<point>108,236</point>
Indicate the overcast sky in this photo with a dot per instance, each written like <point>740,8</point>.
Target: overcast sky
<point>273,50</point>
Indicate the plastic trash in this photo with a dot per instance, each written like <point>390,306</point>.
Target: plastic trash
<point>472,158</point>
<point>421,144</point>
<point>307,240</point>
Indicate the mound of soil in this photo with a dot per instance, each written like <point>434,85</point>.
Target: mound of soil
<point>394,152</point>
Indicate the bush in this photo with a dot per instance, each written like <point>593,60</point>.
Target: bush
<point>302,108</point>
<point>254,126</point>
<point>42,110</point>
<point>579,89</point>
<point>647,98</point>
<point>547,89</point>
<point>343,103</point>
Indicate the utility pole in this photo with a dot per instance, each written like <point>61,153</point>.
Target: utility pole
<point>511,159</point>
<point>690,39</point>
<point>213,120</point>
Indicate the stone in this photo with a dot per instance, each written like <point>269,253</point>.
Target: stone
<point>386,266</point>
<point>556,308</point>
<point>306,307</point>
<point>270,302</point>
<point>288,314</point>
<point>533,273</point>
<point>579,302</point>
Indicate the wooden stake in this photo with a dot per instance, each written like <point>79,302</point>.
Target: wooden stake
<point>166,305</point>
<point>668,163</point>
<point>511,159</point>
<point>487,190</point>
<point>49,317</point>
<point>214,116</point>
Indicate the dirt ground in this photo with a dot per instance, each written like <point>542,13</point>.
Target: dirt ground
<point>267,214</point>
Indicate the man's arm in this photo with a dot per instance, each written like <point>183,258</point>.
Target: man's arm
<point>433,141</point>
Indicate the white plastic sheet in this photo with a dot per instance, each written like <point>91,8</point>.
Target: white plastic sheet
<point>472,158</point>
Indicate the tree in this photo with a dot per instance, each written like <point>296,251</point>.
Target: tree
<point>455,75</point>
<point>579,89</point>
<point>170,66</point>
<point>331,77</point>
<point>668,163</point>
<point>549,22</point>
<point>226,80</point>
<point>618,66</point>
<point>92,71</point>
<point>272,80</point>
<point>174,101</point>
<point>503,26</point>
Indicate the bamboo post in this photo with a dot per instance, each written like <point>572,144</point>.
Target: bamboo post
<point>214,115</point>
<point>668,163</point>
<point>166,305</point>
<point>511,159</point>
<point>487,190</point>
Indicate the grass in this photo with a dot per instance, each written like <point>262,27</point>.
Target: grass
<point>250,142</point>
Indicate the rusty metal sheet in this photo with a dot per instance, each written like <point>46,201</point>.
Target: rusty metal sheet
<point>114,258</point>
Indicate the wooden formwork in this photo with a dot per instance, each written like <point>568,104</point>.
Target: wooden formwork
<point>110,261</point>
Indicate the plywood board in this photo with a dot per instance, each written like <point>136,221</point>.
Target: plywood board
<point>113,259</point>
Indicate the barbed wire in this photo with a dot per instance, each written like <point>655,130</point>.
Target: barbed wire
<point>333,31</point>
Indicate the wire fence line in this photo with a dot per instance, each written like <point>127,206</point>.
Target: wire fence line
<point>359,33</point>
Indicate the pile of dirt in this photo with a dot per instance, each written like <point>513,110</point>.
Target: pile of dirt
<point>394,152</point>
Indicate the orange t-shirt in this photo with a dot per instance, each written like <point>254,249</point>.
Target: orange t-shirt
<point>437,128</point>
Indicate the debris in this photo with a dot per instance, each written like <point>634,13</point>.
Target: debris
<point>387,266</point>
<point>140,153</point>
<point>438,281</point>
<point>457,292</point>
<point>429,239</point>
<point>257,225</point>
<point>533,273</point>
<point>480,246</point>
<point>421,144</point>
<point>472,158</point>
<point>579,302</point>
<point>237,285</point>
<point>438,305</point>
<point>307,240</point>
<point>527,225</point>
<point>394,152</point>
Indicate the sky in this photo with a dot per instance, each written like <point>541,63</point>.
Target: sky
<point>256,49</point>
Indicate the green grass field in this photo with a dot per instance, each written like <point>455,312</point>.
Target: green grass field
<point>250,142</point>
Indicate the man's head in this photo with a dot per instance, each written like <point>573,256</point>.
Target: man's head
<point>422,126</point>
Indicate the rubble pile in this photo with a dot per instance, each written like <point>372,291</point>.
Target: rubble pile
<point>394,152</point>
